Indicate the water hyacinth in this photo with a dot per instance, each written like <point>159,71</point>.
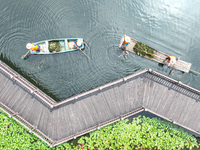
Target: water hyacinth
<point>15,136</point>
<point>140,133</point>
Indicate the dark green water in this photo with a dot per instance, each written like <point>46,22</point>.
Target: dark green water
<point>172,27</point>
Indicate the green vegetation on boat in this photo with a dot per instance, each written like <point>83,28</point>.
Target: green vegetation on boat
<point>143,50</point>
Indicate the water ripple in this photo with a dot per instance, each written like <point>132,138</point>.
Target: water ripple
<point>171,27</point>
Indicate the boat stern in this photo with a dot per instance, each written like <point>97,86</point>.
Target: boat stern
<point>83,45</point>
<point>71,46</point>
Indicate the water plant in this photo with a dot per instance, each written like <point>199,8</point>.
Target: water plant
<point>143,50</point>
<point>14,136</point>
<point>138,133</point>
<point>55,46</point>
<point>141,133</point>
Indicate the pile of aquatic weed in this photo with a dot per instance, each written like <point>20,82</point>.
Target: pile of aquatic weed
<point>140,133</point>
<point>143,50</point>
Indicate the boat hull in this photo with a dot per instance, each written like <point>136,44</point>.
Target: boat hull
<point>56,46</point>
<point>153,54</point>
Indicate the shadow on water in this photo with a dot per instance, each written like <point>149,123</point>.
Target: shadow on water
<point>26,76</point>
<point>163,25</point>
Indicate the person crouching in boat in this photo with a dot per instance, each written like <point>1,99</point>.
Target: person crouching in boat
<point>126,40</point>
<point>33,47</point>
<point>78,43</point>
<point>171,60</point>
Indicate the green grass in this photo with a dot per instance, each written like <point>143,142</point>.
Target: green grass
<point>139,133</point>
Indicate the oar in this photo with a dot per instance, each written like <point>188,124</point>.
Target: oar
<point>124,46</point>
<point>125,52</point>
<point>25,54</point>
<point>83,52</point>
<point>194,72</point>
<point>172,69</point>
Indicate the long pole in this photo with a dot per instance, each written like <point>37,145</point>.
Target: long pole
<point>25,54</point>
<point>83,52</point>
<point>124,45</point>
<point>194,72</point>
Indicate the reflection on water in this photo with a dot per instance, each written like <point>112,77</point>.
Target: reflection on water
<point>171,27</point>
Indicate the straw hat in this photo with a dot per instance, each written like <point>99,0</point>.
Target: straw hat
<point>79,43</point>
<point>127,39</point>
<point>29,46</point>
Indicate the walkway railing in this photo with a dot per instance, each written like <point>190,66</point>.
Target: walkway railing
<point>100,88</point>
<point>53,104</point>
<point>121,117</point>
<point>26,84</point>
<point>172,121</point>
<point>195,93</point>
<point>26,124</point>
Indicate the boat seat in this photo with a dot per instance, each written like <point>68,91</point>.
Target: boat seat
<point>62,46</point>
<point>71,45</point>
<point>43,48</point>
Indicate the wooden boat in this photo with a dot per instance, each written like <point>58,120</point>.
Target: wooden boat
<point>145,51</point>
<point>57,46</point>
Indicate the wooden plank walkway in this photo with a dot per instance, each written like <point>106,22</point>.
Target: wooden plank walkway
<point>56,123</point>
<point>158,56</point>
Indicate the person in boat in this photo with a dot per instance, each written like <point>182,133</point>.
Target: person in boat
<point>33,47</point>
<point>126,40</point>
<point>78,43</point>
<point>171,60</point>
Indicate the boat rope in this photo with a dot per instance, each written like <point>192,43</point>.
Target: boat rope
<point>195,72</point>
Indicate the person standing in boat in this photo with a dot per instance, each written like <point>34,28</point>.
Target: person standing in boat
<point>33,47</point>
<point>78,43</point>
<point>127,40</point>
<point>171,60</point>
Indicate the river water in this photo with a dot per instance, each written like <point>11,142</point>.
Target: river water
<point>172,27</point>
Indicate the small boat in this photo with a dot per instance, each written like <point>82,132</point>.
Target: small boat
<point>146,51</point>
<point>58,46</point>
